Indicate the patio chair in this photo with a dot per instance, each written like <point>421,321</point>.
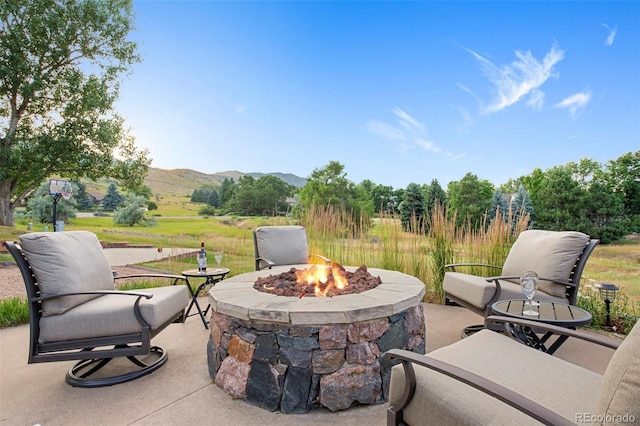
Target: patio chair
<point>489,378</point>
<point>559,259</point>
<point>282,245</point>
<point>75,313</point>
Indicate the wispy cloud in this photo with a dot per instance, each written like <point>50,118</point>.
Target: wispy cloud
<point>385,130</point>
<point>575,103</point>
<point>536,99</point>
<point>519,79</point>
<point>408,133</point>
<point>612,34</point>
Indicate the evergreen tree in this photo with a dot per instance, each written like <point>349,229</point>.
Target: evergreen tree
<point>227,189</point>
<point>213,198</point>
<point>84,202</point>
<point>434,192</point>
<point>521,205</point>
<point>412,213</point>
<point>500,205</point>
<point>112,199</point>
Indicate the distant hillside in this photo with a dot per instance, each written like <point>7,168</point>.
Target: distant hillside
<point>287,177</point>
<point>183,182</point>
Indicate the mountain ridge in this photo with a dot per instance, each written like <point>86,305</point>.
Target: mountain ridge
<point>185,181</point>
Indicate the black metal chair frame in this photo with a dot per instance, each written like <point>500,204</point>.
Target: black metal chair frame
<point>92,353</point>
<point>506,395</point>
<point>571,285</point>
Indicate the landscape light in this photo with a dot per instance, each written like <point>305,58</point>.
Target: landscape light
<point>608,293</point>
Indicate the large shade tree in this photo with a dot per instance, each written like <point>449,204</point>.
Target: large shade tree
<point>471,198</point>
<point>61,62</point>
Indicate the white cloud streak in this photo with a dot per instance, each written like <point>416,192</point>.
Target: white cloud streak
<point>523,77</point>
<point>385,130</point>
<point>536,100</point>
<point>575,104</point>
<point>408,133</point>
<point>612,35</point>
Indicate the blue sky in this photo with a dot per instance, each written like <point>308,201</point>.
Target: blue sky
<point>398,92</point>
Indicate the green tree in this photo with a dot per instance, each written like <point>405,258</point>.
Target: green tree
<point>132,212</point>
<point>434,194</point>
<point>559,202</point>
<point>604,212</point>
<point>83,200</point>
<point>112,199</point>
<point>40,205</point>
<point>500,205</point>
<point>206,194</point>
<point>272,194</point>
<point>327,186</point>
<point>412,213</point>
<point>264,196</point>
<point>471,198</point>
<point>380,198</point>
<point>533,182</point>
<point>623,176</point>
<point>521,205</point>
<point>227,189</point>
<point>60,68</point>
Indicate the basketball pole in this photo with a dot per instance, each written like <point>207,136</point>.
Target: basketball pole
<point>56,198</point>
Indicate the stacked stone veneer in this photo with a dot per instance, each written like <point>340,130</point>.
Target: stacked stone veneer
<point>297,364</point>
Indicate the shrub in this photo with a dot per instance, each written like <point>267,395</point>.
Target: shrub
<point>13,312</point>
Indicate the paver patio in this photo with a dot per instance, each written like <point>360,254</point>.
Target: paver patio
<point>182,392</point>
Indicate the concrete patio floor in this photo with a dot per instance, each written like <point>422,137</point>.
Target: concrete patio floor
<point>182,393</point>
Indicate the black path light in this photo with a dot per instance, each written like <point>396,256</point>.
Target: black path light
<point>608,293</point>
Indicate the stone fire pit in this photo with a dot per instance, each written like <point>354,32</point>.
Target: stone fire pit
<point>297,353</point>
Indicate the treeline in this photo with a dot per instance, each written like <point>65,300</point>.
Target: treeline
<point>266,196</point>
<point>602,200</point>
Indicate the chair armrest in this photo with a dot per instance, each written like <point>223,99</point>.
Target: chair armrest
<point>97,292</point>
<point>175,278</point>
<point>517,277</point>
<point>514,399</point>
<point>542,327</point>
<point>269,263</point>
<point>453,266</point>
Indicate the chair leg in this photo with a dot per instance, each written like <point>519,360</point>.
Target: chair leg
<point>80,374</point>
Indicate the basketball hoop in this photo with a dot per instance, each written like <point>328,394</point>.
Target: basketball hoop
<point>59,188</point>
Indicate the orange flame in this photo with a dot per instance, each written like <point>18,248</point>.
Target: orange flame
<point>323,277</point>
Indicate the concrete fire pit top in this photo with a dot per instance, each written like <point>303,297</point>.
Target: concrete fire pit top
<point>236,297</point>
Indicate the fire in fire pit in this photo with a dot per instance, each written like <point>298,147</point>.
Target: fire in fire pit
<point>318,280</point>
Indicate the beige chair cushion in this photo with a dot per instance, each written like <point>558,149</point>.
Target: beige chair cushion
<point>66,262</point>
<point>554,383</point>
<point>113,315</point>
<point>619,394</point>
<point>551,254</point>
<point>478,291</point>
<point>283,245</point>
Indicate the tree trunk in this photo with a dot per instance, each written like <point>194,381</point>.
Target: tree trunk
<point>6,207</point>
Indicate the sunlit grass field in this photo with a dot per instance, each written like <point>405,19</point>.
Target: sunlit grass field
<point>617,263</point>
<point>382,245</point>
